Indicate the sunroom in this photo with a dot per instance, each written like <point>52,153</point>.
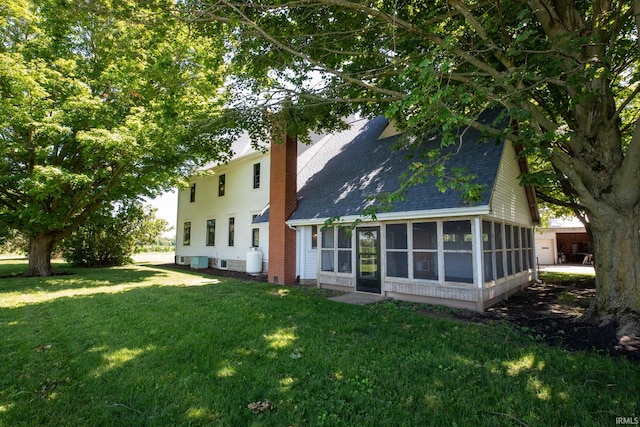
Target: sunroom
<point>465,262</point>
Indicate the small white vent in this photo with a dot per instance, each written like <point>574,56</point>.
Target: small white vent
<point>222,264</point>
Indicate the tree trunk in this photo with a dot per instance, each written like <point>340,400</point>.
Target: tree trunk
<point>40,248</point>
<point>616,239</point>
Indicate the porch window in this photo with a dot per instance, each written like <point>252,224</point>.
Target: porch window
<point>509,249</point>
<point>458,265</point>
<point>487,249</point>
<point>517,249</point>
<point>327,250</point>
<point>211,232</point>
<point>526,243</point>
<point>344,251</point>
<point>397,250</point>
<point>186,234</point>
<point>425,250</point>
<point>499,250</point>
<point>336,244</point>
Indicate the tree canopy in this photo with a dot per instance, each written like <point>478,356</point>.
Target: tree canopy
<point>566,73</point>
<point>100,101</point>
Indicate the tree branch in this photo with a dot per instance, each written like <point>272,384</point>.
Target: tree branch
<point>628,176</point>
<point>479,29</point>
<point>308,59</point>
<point>624,103</point>
<point>567,166</point>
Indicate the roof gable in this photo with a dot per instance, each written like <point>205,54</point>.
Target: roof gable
<point>365,167</point>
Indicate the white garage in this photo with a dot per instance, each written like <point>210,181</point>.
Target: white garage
<point>545,251</point>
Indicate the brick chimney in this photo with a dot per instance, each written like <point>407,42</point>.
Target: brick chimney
<point>283,200</point>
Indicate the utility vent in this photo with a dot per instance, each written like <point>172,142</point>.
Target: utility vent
<point>222,264</point>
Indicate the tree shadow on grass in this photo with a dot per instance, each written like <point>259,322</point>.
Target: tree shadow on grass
<point>201,355</point>
<point>85,282</point>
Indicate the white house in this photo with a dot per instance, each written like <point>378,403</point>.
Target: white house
<point>434,247</point>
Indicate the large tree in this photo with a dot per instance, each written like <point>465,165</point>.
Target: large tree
<point>100,101</point>
<point>565,71</point>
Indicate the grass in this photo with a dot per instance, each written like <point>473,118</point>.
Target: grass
<point>141,346</point>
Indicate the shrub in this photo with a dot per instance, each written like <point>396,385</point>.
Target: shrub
<point>110,235</point>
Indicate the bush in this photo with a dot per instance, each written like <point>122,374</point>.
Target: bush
<point>13,242</point>
<point>110,235</point>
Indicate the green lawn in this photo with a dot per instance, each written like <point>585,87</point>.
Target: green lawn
<point>137,345</point>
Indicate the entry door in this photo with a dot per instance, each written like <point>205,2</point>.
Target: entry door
<point>368,260</point>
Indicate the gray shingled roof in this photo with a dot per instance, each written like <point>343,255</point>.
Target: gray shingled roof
<point>349,168</point>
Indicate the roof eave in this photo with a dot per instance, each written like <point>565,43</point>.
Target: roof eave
<point>400,216</point>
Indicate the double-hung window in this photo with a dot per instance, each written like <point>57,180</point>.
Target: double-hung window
<point>232,227</point>
<point>255,235</point>
<point>221,184</point>
<point>186,234</point>
<point>211,232</point>
<point>256,175</point>
<point>314,237</point>
<point>336,244</point>
<point>344,251</point>
<point>327,254</point>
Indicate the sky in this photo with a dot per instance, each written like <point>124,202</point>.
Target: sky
<point>167,206</point>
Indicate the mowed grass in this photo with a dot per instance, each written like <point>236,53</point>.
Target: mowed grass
<point>141,346</point>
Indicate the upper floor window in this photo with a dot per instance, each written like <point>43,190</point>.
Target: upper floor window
<point>221,184</point>
<point>256,175</point>
<point>192,197</point>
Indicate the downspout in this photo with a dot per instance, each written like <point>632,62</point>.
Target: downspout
<point>535,258</point>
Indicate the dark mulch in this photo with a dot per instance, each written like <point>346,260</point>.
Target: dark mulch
<point>554,313</point>
<point>550,312</point>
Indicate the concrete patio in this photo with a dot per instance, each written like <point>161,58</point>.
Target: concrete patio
<point>360,298</point>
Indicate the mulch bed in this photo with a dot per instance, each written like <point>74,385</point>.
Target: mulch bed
<point>549,312</point>
<point>554,313</point>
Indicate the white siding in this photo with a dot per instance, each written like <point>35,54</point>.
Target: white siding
<point>240,201</point>
<point>509,200</point>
